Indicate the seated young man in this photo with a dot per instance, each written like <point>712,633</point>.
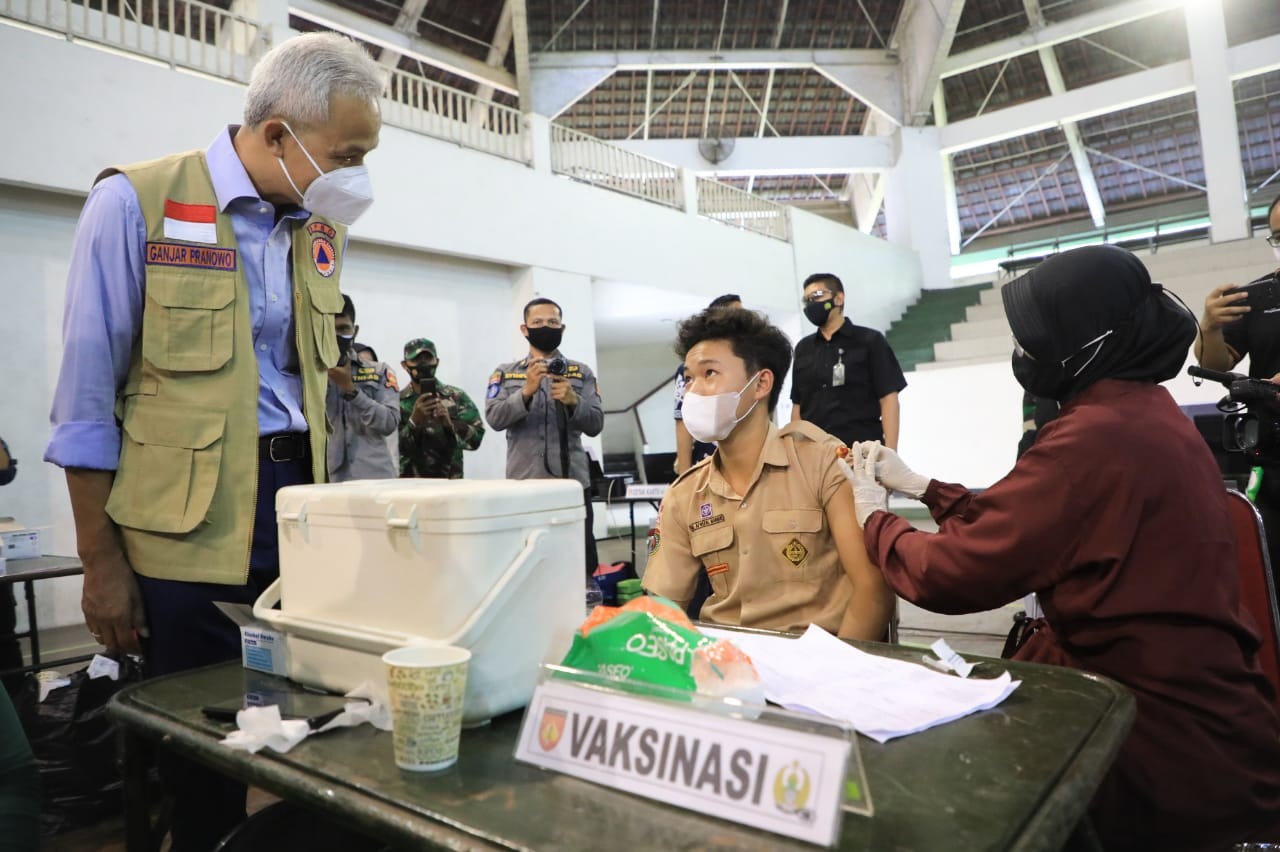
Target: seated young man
<point>766,517</point>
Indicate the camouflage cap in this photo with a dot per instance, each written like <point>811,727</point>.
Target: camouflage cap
<point>417,346</point>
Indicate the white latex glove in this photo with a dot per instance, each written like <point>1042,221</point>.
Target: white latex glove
<point>892,473</point>
<point>868,495</point>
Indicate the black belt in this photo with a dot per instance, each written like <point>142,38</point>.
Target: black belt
<point>284,447</point>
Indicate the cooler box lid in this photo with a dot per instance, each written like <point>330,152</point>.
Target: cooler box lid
<point>434,499</point>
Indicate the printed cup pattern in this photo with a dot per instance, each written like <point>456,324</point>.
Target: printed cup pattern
<point>426,713</point>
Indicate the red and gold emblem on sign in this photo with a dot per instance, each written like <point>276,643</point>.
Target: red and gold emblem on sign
<point>551,728</point>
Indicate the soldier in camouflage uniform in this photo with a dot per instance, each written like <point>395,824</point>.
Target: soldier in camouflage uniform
<point>437,421</point>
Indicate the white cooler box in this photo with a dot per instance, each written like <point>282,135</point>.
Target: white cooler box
<point>494,566</point>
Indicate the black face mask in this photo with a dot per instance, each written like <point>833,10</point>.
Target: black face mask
<point>545,339</point>
<point>1039,378</point>
<point>344,348</point>
<point>422,372</point>
<point>817,312</point>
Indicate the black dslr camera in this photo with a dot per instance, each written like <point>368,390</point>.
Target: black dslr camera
<point>1252,406</point>
<point>557,366</point>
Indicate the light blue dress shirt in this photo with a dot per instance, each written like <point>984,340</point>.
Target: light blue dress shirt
<point>106,292</point>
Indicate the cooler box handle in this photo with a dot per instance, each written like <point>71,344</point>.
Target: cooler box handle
<point>373,639</point>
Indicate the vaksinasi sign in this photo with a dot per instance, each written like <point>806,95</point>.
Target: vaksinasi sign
<point>781,780</point>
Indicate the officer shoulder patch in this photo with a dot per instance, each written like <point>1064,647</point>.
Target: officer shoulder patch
<point>495,383</point>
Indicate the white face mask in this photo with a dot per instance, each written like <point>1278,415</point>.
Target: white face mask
<point>341,195</point>
<point>713,418</point>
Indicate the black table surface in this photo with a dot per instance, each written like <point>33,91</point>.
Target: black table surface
<point>1018,776</point>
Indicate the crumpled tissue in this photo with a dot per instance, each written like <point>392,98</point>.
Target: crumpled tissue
<point>263,727</point>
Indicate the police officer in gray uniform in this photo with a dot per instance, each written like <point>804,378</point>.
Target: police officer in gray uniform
<point>363,404</point>
<point>546,403</point>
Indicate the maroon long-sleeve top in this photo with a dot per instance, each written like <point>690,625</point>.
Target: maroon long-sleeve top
<point>1117,519</point>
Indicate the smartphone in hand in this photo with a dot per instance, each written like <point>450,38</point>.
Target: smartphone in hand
<point>1262,294</point>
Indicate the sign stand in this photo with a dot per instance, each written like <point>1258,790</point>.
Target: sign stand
<point>784,772</point>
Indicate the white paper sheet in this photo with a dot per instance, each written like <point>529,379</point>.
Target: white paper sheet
<point>882,698</point>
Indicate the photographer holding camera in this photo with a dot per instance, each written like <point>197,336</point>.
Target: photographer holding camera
<point>361,404</point>
<point>546,403</point>
<point>437,421</point>
<point>1240,321</point>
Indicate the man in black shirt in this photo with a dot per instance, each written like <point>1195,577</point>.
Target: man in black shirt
<point>1230,330</point>
<point>846,378</point>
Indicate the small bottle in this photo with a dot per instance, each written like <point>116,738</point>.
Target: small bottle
<point>594,596</point>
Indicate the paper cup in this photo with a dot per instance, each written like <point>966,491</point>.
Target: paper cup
<point>426,684</point>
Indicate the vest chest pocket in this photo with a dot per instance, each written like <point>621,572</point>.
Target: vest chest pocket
<point>794,537</point>
<point>189,321</point>
<point>326,304</point>
<point>169,461</point>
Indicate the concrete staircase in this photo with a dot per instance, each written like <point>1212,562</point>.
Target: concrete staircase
<point>927,333</point>
<point>981,337</point>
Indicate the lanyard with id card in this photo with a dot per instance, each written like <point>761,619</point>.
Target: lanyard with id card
<point>837,372</point>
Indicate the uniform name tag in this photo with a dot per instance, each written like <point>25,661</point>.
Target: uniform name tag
<point>196,257</point>
<point>706,522</point>
<point>787,781</point>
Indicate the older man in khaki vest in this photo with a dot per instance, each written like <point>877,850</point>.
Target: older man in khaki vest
<point>199,331</point>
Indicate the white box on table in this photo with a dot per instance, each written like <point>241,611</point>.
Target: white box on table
<point>17,541</point>
<point>495,566</point>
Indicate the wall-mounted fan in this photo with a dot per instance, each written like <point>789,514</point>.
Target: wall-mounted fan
<point>715,149</point>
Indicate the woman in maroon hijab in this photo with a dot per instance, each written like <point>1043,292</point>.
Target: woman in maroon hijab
<point>1117,519</point>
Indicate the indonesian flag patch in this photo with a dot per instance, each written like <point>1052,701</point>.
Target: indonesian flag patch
<point>192,223</point>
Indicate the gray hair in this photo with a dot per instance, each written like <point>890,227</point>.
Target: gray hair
<point>297,77</point>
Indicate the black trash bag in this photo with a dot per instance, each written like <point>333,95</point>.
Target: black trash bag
<point>75,747</point>
<point>289,827</point>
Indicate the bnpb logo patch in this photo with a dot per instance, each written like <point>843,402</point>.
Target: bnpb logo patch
<point>325,257</point>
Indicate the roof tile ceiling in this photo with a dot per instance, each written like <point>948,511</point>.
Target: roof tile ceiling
<point>1138,156</point>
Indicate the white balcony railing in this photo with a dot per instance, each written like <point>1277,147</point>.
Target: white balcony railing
<point>592,161</point>
<point>195,35</point>
<point>741,209</point>
<point>183,33</point>
<point>432,109</point>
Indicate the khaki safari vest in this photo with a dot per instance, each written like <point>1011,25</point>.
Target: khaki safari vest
<point>186,488</point>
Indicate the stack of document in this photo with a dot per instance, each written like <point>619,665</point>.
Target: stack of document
<point>881,698</point>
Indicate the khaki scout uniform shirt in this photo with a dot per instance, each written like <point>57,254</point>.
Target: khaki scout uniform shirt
<point>768,553</point>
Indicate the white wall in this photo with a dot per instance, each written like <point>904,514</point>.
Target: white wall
<point>35,241</point>
<point>400,295</point>
<point>628,373</point>
<point>880,279</point>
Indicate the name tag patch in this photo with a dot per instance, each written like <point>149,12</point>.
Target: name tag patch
<point>196,257</point>
<point>706,522</point>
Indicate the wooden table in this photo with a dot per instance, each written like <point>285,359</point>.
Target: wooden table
<point>1019,776</point>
